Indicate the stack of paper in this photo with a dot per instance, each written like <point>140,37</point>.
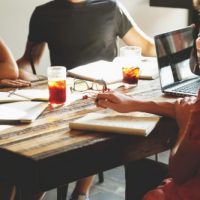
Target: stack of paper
<point>132,123</point>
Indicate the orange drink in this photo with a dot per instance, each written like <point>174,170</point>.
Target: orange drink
<point>57,92</point>
<point>130,74</point>
<point>57,84</point>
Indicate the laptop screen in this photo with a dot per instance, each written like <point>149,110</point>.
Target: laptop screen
<point>174,50</point>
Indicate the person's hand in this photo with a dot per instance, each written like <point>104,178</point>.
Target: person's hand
<point>183,109</point>
<point>14,83</point>
<point>116,101</point>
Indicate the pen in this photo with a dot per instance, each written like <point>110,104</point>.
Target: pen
<point>12,92</point>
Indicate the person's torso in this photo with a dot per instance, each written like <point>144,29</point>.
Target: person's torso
<point>80,33</point>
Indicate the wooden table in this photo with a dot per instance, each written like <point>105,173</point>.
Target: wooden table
<point>45,154</point>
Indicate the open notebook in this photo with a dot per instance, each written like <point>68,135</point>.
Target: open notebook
<point>132,123</point>
<point>24,95</point>
<point>111,72</point>
<point>21,112</point>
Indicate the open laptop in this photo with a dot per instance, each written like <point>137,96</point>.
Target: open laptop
<point>174,53</point>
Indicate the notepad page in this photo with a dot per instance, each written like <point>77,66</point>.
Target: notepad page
<point>34,94</point>
<point>24,112</point>
<point>117,123</point>
<point>5,97</point>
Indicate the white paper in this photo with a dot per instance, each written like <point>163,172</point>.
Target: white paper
<point>24,95</point>
<point>130,123</point>
<point>26,111</point>
<point>111,72</point>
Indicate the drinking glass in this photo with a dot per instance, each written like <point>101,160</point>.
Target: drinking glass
<point>57,84</point>
<point>130,57</point>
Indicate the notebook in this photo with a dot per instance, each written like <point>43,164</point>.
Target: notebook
<point>24,95</point>
<point>21,112</point>
<point>135,123</point>
<point>174,53</point>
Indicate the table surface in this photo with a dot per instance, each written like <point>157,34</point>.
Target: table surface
<point>45,154</point>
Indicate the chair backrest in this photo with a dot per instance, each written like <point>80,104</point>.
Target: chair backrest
<point>31,60</point>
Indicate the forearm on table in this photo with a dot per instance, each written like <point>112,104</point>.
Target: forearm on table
<point>159,108</point>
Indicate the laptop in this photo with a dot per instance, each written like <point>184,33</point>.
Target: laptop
<point>175,55</point>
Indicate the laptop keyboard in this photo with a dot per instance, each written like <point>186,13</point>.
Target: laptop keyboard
<point>191,88</point>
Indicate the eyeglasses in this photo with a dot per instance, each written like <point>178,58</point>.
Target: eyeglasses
<point>83,85</point>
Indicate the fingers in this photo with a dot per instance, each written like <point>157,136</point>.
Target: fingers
<point>105,96</point>
<point>105,100</point>
<point>15,83</point>
<point>186,100</point>
<point>105,103</point>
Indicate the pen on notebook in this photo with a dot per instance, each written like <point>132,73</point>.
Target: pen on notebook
<point>13,92</point>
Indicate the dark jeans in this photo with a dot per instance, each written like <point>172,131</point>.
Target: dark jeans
<point>142,176</point>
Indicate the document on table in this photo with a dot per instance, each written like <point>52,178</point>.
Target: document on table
<point>24,95</point>
<point>21,112</point>
<point>135,123</point>
<point>111,72</point>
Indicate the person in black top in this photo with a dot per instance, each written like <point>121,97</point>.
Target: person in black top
<point>78,32</point>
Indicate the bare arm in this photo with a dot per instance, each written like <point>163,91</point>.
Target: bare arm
<point>136,37</point>
<point>123,103</point>
<point>36,51</point>
<point>185,161</point>
<point>8,66</point>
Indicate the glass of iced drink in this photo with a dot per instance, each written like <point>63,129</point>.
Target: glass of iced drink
<point>130,74</point>
<point>130,57</point>
<point>57,84</point>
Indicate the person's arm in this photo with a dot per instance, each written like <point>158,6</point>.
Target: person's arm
<point>185,161</point>
<point>36,51</point>
<point>9,72</point>
<point>130,32</point>
<point>123,103</point>
<point>135,36</point>
<point>8,66</point>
